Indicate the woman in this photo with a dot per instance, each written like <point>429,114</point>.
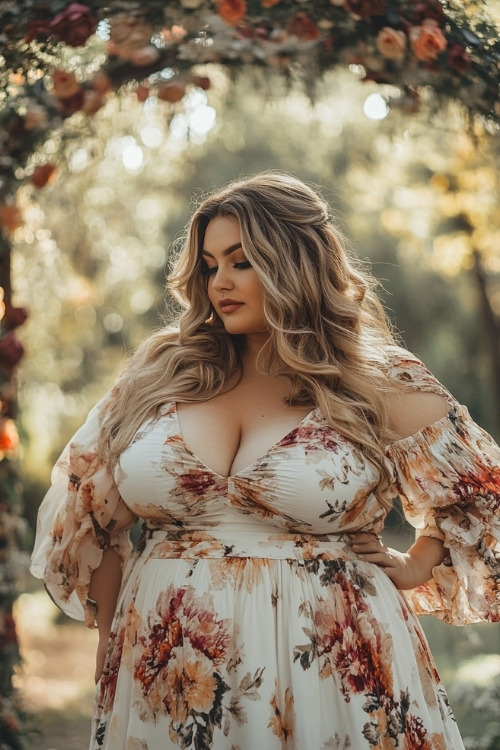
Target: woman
<point>262,443</point>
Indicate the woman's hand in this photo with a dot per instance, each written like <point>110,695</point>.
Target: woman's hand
<point>405,569</point>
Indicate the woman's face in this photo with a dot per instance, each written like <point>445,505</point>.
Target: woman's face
<point>233,286</point>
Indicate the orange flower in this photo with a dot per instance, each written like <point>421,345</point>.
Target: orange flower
<point>190,684</point>
<point>64,83</point>
<point>427,41</point>
<point>232,11</point>
<point>303,28</point>
<point>9,438</point>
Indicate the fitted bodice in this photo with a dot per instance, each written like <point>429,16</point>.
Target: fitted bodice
<point>311,481</point>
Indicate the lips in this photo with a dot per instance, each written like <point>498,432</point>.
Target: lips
<point>229,305</point>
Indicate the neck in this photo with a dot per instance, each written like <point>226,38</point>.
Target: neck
<point>252,345</point>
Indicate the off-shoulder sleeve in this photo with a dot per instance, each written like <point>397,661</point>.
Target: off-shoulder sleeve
<point>448,479</point>
<point>81,515</point>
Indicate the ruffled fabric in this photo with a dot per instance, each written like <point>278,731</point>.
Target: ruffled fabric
<point>448,479</point>
<point>81,515</point>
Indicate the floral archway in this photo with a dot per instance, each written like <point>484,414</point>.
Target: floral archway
<point>61,60</point>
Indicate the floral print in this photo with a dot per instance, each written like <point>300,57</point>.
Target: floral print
<point>245,621</point>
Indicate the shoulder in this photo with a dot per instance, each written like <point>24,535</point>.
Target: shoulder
<point>415,398</point>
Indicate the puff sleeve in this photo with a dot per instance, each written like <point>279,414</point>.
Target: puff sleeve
<point>448,478</point>
<point>81,515</point>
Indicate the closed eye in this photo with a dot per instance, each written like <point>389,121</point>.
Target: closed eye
<point>211,270</point>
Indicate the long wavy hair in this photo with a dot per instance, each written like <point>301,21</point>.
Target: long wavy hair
<point>327,329</point>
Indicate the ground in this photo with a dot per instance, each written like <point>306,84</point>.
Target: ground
<point>56,680</point>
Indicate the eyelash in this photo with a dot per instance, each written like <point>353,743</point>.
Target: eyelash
<point>240,266</point>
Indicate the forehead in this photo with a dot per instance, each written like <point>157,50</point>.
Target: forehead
<point>221,233</point>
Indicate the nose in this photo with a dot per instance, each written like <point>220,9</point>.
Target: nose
<point>222,279</point>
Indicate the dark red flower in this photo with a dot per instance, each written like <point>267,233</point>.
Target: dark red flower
<point>14,317</point>
<point>73,25</point>
<point>8,635</point>
<point>11,351</point>
<point>365,8</point>
<point>458,58</point>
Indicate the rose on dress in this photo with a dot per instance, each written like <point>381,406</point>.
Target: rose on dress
<point>427,41</point>
<point>391,43</point>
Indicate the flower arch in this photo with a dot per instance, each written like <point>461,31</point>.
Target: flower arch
<point>432,50</point>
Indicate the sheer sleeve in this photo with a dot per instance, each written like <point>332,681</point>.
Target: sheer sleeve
<point>81,515</point>
<point>448,479</point>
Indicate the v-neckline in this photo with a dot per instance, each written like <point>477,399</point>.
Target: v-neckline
<point>253,463</point>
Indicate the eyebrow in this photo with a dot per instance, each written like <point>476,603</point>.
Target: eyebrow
<point>225,252</point>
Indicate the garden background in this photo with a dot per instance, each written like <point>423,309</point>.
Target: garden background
<point>113,122</point>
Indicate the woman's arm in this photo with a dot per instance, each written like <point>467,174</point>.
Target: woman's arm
<point>407,570</point>
<point>104,587</point>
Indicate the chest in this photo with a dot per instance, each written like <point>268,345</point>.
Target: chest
<point>231,431</point>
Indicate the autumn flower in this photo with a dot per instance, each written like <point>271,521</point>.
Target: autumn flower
<point>14,317</point>
<point>303,28</point>
<point>146,55</point>
<point>427,41</point>
<point>37,29</point>
<point>64,84</point>
<point>73,25</point>
<point>190,683</point>
<point>11,351</point>
<point>9,438</point>
<point>171,91</point>
<point>10,217</point>
<point>458,59</point>
<point>232,11</point>
<point>391,43</point>
<point>43,174</point>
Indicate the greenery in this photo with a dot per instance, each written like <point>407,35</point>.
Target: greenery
<point>119,114</point>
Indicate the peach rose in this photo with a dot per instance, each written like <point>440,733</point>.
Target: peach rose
<point>427,41</point>
<point>232,11</point>
<point>64,84</point>
<point>391,43</point>
<point>128,34</point>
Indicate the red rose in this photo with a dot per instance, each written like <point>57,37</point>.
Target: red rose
<point>11,351</point>
<point>73,25</point>
<point>365,8</point>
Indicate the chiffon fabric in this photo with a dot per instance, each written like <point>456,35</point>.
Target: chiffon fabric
<point>245,620</point>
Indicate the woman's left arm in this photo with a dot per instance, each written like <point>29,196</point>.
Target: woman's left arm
<point>408,569</point>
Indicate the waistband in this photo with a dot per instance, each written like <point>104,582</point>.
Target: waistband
<point>191,545</point>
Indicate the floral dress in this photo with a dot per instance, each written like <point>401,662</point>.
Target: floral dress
<point>245,621</point>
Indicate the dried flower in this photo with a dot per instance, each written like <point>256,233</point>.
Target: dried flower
<point>427,41</point>
<point>37,29</point>
<point>171,91</point>
<point>43,174</point>
<point>10,217</point>
<point>11,351</point>
<point>391,43</point>
<point>64,84</point>
<point>73,25</point>
<point>303,28</point>
<point>14,317</point>
<point>232,11</point>
<point>9,437</point>
<point>458,58</point>
<point>127,35</point>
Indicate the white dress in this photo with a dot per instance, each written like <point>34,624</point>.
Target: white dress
<point>245,621</point>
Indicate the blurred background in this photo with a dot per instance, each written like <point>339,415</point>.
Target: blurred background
<point>416,193</point>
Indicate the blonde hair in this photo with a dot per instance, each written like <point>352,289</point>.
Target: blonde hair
<point>327,329</point>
